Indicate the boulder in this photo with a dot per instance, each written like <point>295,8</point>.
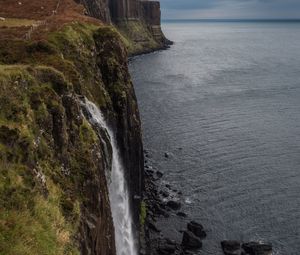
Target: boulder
<point>159,174</point>
<point>164,193</point>
<point>181,214</point>
<point>174,205</point>
<point>231,247</point>
<point>166,249</point>
<point>197,229</point>
<point>190,241</point>
<point>256,248</point>
<point>153,227</point>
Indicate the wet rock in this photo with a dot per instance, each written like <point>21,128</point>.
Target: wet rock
<point>153,227</point>
<point>167,249</point>
<point>174,205</point>
<point>255,248</point>
<point>197,229</point>
<point>159,174</point>
<point>164,193</point>
<point>181,214</point>
<point>231,247</point>
<point>169,241</point>
<point>190,241</point>
<point>149,171</point>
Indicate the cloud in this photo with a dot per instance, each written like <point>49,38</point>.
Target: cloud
<point>230,8</point>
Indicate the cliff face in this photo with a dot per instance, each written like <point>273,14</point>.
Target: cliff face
<point>53,190</point>
<point>139,22</point>
<point>53,187</point>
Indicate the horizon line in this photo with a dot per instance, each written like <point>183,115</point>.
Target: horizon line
<point>236,20</point>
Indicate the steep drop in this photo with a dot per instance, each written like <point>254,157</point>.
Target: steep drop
<point>118,191</point>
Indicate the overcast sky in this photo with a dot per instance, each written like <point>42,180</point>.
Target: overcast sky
<point>230,9</point>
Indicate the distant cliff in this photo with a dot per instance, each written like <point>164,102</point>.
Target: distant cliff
<point>139,21</point>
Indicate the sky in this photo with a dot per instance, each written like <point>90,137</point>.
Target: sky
<point>230,9</point>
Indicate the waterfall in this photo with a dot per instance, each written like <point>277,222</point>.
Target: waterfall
<point>118,191</point>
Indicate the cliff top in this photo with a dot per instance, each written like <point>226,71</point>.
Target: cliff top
<point>21,19</point>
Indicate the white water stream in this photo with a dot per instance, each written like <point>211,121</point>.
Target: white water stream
<point>118,191</point>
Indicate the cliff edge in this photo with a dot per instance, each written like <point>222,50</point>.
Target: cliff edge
<point>139,22</point>
<point>53,188</point>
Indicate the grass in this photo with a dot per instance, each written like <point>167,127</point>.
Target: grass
<point>143,213</point>
<point>9,22</point>
<point>136,36</point>
<point>47,149</point>
<point>33,219</point>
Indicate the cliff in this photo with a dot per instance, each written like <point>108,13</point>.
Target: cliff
<point>137,20</point>
<point>53,187</point>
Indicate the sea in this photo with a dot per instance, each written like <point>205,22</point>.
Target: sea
<point>224,103</point>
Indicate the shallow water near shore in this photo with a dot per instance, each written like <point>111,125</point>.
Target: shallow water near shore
<point>224,101</point>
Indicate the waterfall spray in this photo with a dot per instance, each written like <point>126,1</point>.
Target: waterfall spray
<point>118,191</point>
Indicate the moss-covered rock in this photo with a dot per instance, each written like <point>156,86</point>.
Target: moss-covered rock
<point>53,190</point>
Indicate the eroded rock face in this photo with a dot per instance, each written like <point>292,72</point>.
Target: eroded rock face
<point>125,9</point>
<point>61,158</point>
<point>98,9</point>
<point>151,12</point>
<point>139,21</point>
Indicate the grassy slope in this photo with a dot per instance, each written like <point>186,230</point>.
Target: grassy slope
<point>40,193</point>
<point>137,38</point>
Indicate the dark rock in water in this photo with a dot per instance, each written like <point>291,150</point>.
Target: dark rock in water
<point>149,171</point>
<point>174,205</point>
<point>169,241</point>
<point>153,227</point>
<point>164,193</point>
<point>181,214</point>
<point>197,229</point>
<point>255,248</point>
<point>166,249</point>
<point>159,174</point>
<point>190,241</point>
<point>231,247</point>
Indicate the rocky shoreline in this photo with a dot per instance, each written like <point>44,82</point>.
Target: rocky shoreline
<point>162,200</point>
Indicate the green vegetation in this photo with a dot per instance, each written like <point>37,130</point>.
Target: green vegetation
<point>47,149</point>
<point>143,213</point>
<point>32,218</point>
<point>137,37</point>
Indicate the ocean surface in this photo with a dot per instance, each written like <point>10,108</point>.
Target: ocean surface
<point>224,101</point>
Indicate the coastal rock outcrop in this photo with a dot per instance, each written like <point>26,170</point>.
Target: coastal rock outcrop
<point>233,247</point>
<point>139,21</point>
